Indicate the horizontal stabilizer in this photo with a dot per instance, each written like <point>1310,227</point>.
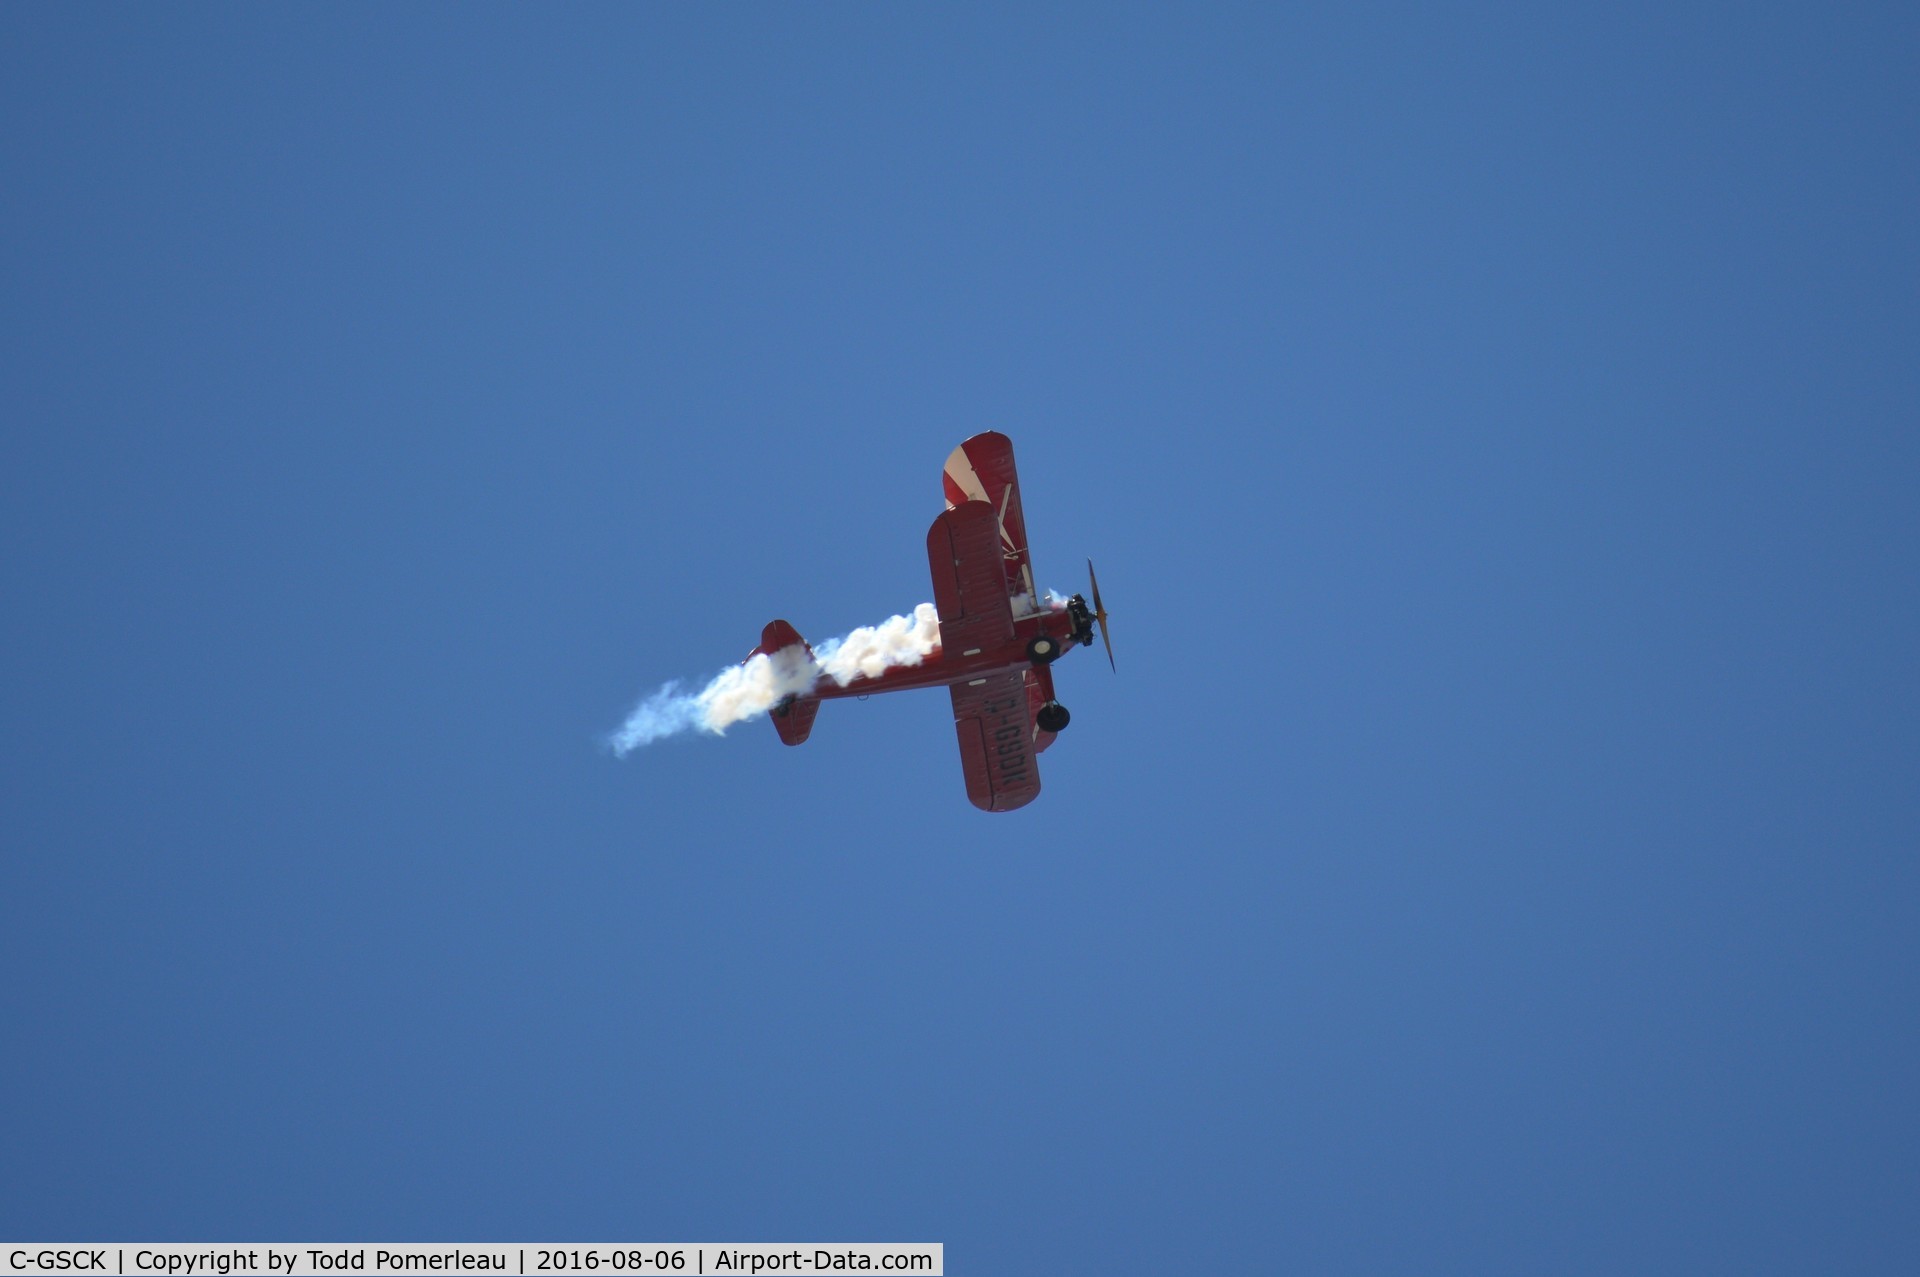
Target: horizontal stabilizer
<point>792,717</point>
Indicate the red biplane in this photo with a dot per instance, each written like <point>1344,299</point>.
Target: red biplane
<point>998,636</point>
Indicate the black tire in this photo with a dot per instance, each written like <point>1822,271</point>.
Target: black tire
<point>1053,717</point>
<point>1042,650</point>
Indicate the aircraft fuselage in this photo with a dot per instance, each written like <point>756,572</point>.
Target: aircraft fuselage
<point>942,668</point>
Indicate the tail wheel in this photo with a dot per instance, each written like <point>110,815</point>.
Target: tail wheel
<point>1053,717</point>
<point>1043,650</point>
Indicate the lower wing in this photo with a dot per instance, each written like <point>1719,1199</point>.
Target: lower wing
<point>995,727</point>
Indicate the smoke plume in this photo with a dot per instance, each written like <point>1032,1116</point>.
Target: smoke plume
<point>763,681</point>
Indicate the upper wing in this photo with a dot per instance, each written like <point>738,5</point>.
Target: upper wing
<point>963,553</point>
<point>981,469</point>
<point>996,741</point>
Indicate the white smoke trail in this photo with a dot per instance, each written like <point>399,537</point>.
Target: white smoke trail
<point>871,649</point>
<point>763,681</point>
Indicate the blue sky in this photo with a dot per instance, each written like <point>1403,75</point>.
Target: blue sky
<point>1496,430</point>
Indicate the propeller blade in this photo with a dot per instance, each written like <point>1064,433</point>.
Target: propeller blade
<point>1100,615</point>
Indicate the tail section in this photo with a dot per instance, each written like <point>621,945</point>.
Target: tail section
<point>792,717</point>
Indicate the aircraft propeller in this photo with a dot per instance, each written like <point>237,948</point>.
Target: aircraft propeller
<point>1100,615</point>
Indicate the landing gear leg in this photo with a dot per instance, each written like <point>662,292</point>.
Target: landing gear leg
<point>1053,715</point>
<point>1044,674</point>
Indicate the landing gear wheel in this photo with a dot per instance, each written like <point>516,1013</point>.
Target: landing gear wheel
<point>1053,717</point>
<point>1043,650</point>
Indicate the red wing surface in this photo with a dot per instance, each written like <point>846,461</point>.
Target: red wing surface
<point>996,741</point>
<point>981,469</point>
<point>963,554</point>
